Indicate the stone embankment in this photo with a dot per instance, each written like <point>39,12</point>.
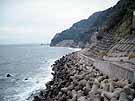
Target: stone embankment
<point>73,81</point>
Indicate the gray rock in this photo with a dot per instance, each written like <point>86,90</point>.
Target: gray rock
<point>123,97</point>
<point>9,75</point>
<point>82,98</point>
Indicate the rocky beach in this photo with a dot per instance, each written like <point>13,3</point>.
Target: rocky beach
<point>74,81</point>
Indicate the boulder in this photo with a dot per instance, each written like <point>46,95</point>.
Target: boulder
<point>9,75</point>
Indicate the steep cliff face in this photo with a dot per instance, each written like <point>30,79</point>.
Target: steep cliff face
<point>116,20</point>
<point>76,35</point>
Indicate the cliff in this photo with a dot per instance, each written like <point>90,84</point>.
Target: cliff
<point>116,20</point>
<point>76,35</point>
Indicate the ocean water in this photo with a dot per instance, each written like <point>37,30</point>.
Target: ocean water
<point>30,69</point>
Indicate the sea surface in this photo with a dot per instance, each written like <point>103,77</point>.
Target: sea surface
<point>29,67</point>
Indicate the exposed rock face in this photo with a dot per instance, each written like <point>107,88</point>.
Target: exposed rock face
<point>116,20</point>
<point>66,43</point>
<point>77,31</point>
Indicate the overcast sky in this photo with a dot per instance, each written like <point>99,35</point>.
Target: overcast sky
<point>36,21</point>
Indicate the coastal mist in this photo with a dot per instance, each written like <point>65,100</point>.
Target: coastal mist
<point>24,69</point>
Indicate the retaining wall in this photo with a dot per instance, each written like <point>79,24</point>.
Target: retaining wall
<point>108,68</point>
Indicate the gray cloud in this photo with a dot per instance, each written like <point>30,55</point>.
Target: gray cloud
<point>23,21</point>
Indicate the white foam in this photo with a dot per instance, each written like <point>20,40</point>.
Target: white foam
<point>75,49</point>
<point>37,84</point>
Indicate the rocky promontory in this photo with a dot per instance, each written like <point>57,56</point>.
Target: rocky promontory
<point>74,81</point>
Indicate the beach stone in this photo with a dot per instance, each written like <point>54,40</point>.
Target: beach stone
<point>9,75</point>
<point>26,79</point>
<point>41,93</point>
<point>36,98</point>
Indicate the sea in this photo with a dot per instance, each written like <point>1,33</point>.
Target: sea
<point>29,67</point>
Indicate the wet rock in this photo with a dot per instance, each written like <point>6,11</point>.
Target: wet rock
<point>41,93</point>
<point>8,75</point>
<point>26,79</point>
<point>36,98</point>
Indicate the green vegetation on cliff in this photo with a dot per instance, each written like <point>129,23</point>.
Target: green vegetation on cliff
<point>116,20</point>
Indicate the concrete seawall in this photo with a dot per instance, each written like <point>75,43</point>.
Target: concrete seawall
<point>109,68</point>
<point>114,71</point>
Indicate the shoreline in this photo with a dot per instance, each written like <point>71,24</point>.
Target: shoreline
<point>73,81</point>
<point>41,86</point>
